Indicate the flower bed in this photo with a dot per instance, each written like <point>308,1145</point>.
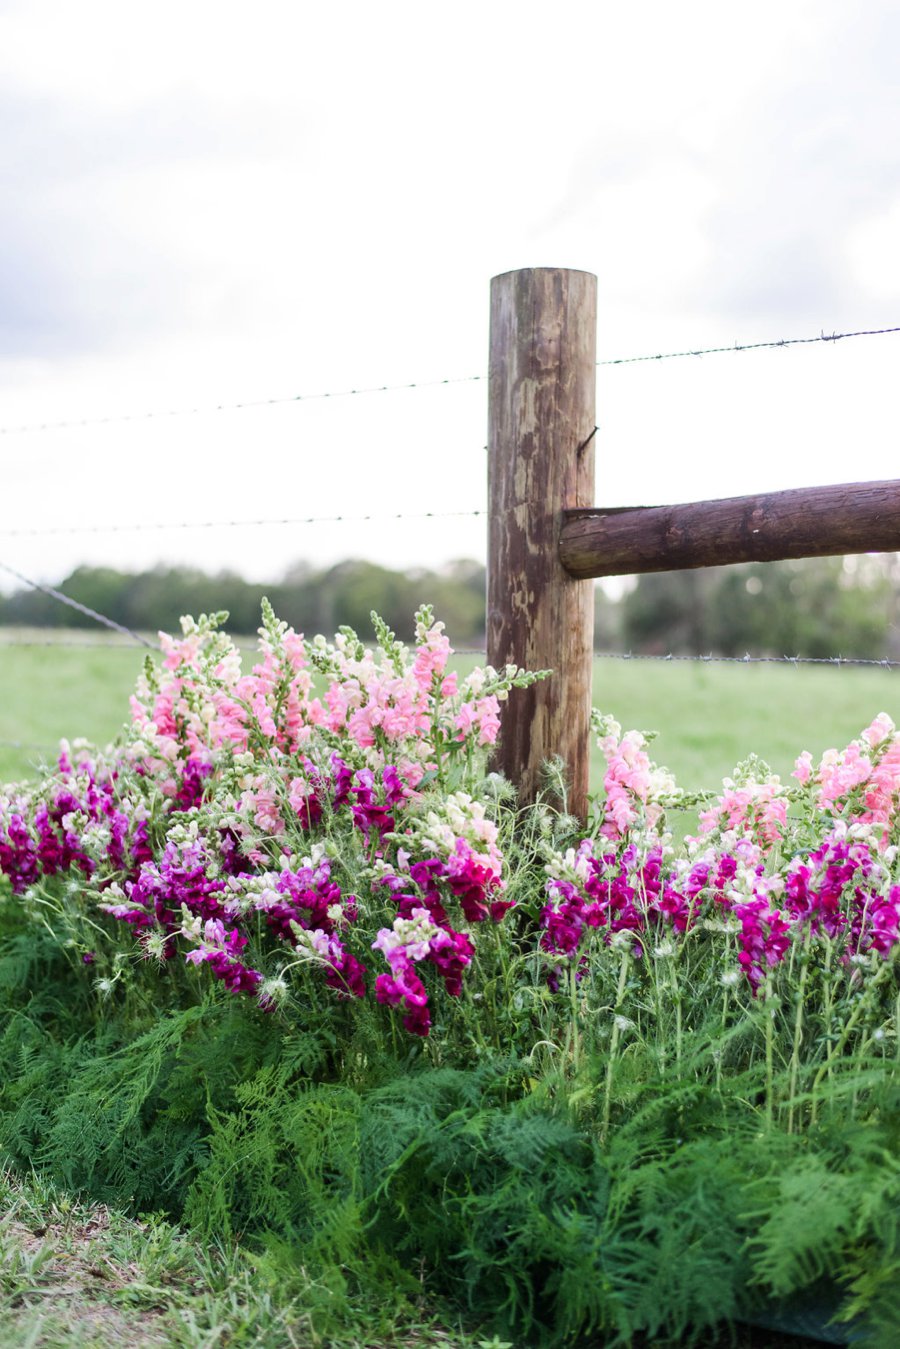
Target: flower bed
<point>311,855</point>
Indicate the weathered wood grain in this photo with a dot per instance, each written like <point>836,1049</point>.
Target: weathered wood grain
<point>861,517</point>
<point>541,463</point>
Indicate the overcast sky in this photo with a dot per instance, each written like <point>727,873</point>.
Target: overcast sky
<point>206,203</point>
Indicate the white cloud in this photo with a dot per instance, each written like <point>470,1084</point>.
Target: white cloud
<point>872,248</point>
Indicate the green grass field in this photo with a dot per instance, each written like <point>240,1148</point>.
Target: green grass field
<point>708,716</point>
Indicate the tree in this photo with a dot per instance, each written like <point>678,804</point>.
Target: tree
<point>814,607</point>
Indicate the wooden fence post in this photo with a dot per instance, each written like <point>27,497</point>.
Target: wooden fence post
<point>540,464</point>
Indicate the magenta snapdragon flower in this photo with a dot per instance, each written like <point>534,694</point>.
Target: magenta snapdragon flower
<point>414,940</point>
<point>220,949</point>
<point>764,938</point>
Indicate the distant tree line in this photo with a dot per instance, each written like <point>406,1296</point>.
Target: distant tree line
<point>310,601</point>
<point>815,607</point>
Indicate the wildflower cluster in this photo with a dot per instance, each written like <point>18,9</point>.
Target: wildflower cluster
<point>324,818</point>
<point>317,814</point>
<point>773,867</point>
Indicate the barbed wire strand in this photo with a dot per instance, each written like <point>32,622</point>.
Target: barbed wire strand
<point>834,662</point>
<point>91,644</point>
<point>750,346</point>
<point>238,524</point>
<point>85,643</point>
<point>99,644</point>
<point>752,660</point>
<point>75,604</point>
<point>165,413</point>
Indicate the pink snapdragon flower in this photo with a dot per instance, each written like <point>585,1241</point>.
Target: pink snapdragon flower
<point>840,774</point>
<point>260,804</point>
<point>633,784</point>
<point>433,650</point>
<point>862,782</point>
<point>882,795</point>
<point>482,717</point>
<point>803,768</point>
<point>755,808</point>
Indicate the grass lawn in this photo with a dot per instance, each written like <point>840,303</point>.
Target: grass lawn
<point>85,1277</point>
<point>708,716</point>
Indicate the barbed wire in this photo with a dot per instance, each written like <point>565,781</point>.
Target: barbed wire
<point>750,346</point>
<point>238,524</point>
<point>832,661</point>
<point>751,660</point>
<point>670,658</point>
<point>165,413</point>
<point>75,604</point>
<point>100,644</point>
<point>89,644</point>
<point>85,643</point>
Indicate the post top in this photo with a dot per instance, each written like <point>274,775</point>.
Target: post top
<point>558,271</point>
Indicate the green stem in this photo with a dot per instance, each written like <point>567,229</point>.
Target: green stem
<point>834,1051</point>
<point>770,1049</point>
<point>798,1033</point>
<point>828,1013</point>
<point>613,1046</point>
<point>679,1029</point>
<point>574,1034</point>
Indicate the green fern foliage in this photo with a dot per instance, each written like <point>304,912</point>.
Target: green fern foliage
<point>638,1197</point>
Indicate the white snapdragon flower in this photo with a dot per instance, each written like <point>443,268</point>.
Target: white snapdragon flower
<point>661,783</point>
<point>313,944</point>
<point>191,924</point>
<point>95,839</point>
<point>414,934</point>
<point>475,682</point>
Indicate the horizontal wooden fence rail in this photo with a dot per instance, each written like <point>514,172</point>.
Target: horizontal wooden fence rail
<point>862,517</point>
<point>546,540</point>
